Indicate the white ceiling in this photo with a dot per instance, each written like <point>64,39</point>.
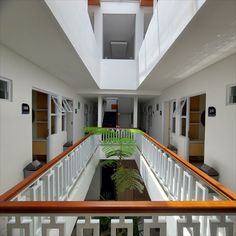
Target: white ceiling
<point>118,28</point>
<point>210,37</point>
<point>29,28</point>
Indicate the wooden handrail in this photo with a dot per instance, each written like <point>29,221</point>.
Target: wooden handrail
<point>146,3</point>
<point>69,207</point>
<point>27,181</point>
<point>218,187</point>
<point>94,2</point>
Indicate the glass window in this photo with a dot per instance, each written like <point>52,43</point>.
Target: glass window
<point>173,116</point>
<point>55,107</point>
<point>67,105</point>
<point>5,89</point>
<point>183,117</point>
<point>55,103</point>
<point>231,94</point>
<point>53,124</point>
<point>63,122</point>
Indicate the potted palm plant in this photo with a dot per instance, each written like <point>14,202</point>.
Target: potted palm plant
<point>125,178</point>
<point>114,145</point>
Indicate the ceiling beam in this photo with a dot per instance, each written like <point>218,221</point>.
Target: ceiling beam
<point>94,2</point>
<point>146,3</point>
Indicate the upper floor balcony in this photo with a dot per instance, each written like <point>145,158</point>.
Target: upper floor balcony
<point>182,200</point>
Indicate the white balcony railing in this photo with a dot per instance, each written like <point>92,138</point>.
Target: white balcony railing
<point>168,21</point>
<point>43,203</point>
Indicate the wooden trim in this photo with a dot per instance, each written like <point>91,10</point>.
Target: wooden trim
<point>69,207</point>
<point>94,2</point>
<point>218,187</point>
<point>27,181</point>
<point>146,3</point>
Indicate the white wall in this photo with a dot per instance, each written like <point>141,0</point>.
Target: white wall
<point>125,109</point>
<point>119,74</point>
<point>168,21</point>
<point>15,128</point>
<point>75,22</point>
<point>220,132</point>
<point>79,119</point>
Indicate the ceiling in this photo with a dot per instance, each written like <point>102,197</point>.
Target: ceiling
<point>29,29</point>
<point>209,37</point>
<point>118,36</point>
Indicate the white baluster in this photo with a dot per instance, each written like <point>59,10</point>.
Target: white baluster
<point>188,223</point>
<point>221,223</point>
<point>59,190</point>
<point>159,162</point>
<point>187,191</point>
<point>122,223</point>
<point>170,173</point>
<point>201,193</point>
<point>155,159</point>
<point>49,189</point>
<point>163,167</point>
<point>178,182</point>
<point>37,195</point>
<point>51,224</point>
<point>22,224</point>
<point>66,178</point>
<point>79,160</point>
<point>87,223</point>
<point>152,149</point>
<point>154,223</point>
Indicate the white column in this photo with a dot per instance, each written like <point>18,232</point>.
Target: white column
<point>135,113</point>
<point>99,111</point>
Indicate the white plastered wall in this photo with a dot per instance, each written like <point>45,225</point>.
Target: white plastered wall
<point>119,74</point>
<point>220,132</point>
<point>16,128</point>
<point>75,22</point>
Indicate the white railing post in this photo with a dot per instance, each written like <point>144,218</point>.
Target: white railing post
<point>87,223</point>
<point>154,223</point>
<point>24,225</point>
<point>178,181</point>
<point>188,223</point>
<point>51,224</point>
<point>122,223</point>
<point>187,191</point>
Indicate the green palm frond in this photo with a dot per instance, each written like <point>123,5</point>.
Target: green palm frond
<point>96,130</point>
<point>135,131</point>
<point>107,163</point>
<point>127,179</point>
<point>120,151</point>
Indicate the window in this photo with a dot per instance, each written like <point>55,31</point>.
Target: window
<point>57,104</point>
<point>173,116</point>
<point>67,106</point>
<point>231,94</point>
<point>119,36</point>
<point>55,107</point>
<point>183,117</point>
<point>63,122</point>
<point>5,89</point>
